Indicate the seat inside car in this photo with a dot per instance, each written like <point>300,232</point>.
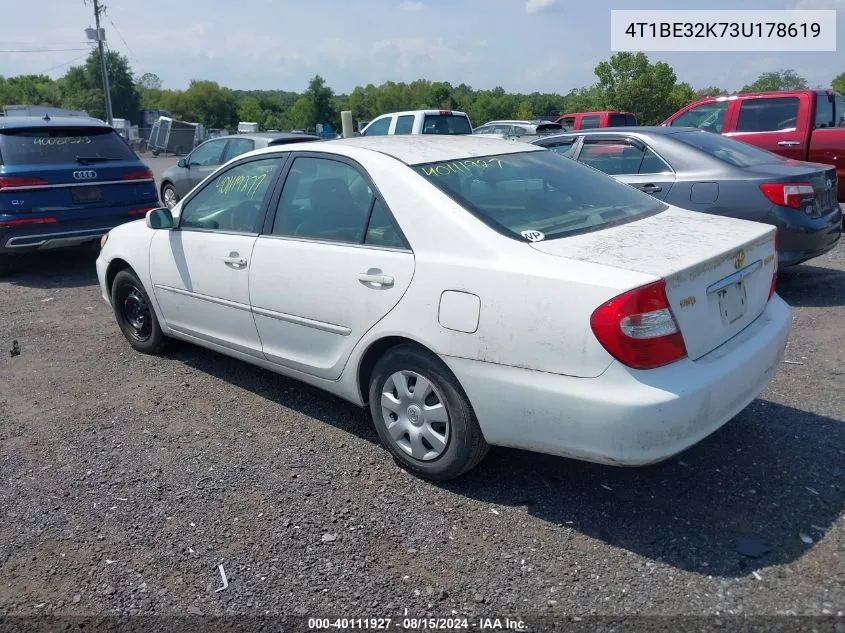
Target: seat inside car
<point>334,214</point>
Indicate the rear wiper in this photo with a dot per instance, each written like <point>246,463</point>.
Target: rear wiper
<point>95,159</point>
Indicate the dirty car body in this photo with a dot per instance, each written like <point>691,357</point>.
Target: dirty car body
<point>546,304</point>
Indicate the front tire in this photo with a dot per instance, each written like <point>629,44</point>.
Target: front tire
<point>169,196</point>
<point>423,416</point>
<point>135,315</point>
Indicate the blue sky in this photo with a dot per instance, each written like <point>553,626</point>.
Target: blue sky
<point>521,45</point>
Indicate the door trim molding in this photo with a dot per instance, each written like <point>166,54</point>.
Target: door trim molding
<point>201,297</point>
<point>290,318</point>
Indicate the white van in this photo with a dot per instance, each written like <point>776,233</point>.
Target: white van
<point>419,122</point>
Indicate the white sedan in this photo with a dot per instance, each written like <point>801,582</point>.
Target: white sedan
<point>470,291</point>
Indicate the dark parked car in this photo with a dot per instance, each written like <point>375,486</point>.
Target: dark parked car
<point>703,171</point>
<point>207,157</point>
<point>65,181</point>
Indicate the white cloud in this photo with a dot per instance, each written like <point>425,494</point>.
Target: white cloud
<point>533,6</point>
<point>408,5</point>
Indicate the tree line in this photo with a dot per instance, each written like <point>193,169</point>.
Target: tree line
<point>626,82</point>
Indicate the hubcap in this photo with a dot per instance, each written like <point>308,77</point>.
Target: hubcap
<point>169,198</point>
<point>415,415</point>
<point>137,315</point>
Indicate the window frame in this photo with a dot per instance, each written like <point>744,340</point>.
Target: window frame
<point>283,157</point>
<point>272,204</point>
<point>630,140</point>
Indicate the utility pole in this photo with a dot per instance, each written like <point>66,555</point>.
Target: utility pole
<point>100,37</point>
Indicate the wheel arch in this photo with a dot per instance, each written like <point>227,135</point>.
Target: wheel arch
<point>114,267</point>
<point>375,350</point>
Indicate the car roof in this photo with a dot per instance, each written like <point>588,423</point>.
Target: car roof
<point>16,122</point>
<point>273,136</point>
<point>415,149</point>
<point>406,112</point>
<point>645,130</point>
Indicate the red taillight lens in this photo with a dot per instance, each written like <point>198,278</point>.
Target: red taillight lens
<point>140,211</point>
<point>638,328</point>
<point>25,221</point>
<point>7,182</point>
<point>775,271</point>
<point>793,195</point>
<point>139,174</point>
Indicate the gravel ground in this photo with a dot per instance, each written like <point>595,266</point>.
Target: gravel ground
<point>126,480</point>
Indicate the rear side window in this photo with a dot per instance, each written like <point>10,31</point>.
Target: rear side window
<point>590,122</point>
<point>41,146</point>
<point>446,124</point>
<point>405,124</point>
<point>618,120</point>
<point>728,150</point>
<point>630,119</point>
<point>767,115</point>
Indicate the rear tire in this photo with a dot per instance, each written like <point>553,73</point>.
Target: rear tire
<point>169,196</point>
<point>135,315</point>
<point>423,416</point>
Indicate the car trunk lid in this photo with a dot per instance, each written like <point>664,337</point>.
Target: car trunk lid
<point>718,271</point>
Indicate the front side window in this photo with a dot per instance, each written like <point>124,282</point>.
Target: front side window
<point>446,124</point>
<point>768,114</point>
<point>707,116</point>
<point>568,122</point>
<point>207,154</point>
<point>590,122</point>
<point>728,150</point>
<point>232,202</point>
<point>379,127</point>
<point>537,191</point>
<point>81,145</point>
<point>405,124</point>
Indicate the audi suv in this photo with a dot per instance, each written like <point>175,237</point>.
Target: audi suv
<point>65,182</point>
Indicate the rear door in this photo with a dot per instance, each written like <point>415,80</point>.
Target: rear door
<point>71,172</point>
<point>629,160</point>
<point>777,123</point>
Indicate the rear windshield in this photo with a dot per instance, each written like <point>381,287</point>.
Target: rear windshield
<point>446,124</point>
<point>40,146</point>
<point>526,193</point>
<point>728,150</point>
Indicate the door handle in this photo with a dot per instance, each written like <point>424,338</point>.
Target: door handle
<point>235,260</point>
<point>651,188</point>
<point>369,278</point>
<point>789,143</point>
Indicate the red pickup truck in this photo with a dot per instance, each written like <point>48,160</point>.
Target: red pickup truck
<point>590,120</point>
<point>806,125</point>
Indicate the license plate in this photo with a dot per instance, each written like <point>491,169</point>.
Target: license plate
<point>732,302</point>
<point>82,195</point>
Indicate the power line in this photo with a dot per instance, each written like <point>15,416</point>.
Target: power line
<point>125,43</point>
<point>42,50</point>
<point>62,64</point>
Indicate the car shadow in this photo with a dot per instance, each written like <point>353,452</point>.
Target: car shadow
<point>773,474</point>
<point>742,499</point>
<point>811,286</point>
<point>64,268</point>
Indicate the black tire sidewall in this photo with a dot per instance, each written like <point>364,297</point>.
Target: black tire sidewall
<point>157,338</point>
<point>464,431</point>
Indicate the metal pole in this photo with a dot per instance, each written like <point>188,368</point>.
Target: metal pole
<point>109,117</point>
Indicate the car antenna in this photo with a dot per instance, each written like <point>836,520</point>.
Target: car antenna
<point>46,116</point>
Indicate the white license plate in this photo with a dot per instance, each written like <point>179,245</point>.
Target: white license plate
<point>732,302</point>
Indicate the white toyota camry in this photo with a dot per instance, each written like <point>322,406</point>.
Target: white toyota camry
<point>470,291</point>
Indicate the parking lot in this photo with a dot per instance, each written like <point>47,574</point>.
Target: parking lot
<point>127,479</point>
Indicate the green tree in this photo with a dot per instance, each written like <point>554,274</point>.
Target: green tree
<point>300,116</point>
<point>206,102</point>
<point>838,83</point>
<point>82,87</point>
<point>150,81</point>
<point>523,112</point>
<point>786,79</point>
<point>29,90</point>
<point>320,103</point>
<point>629,82</point>
<point>250,110</point>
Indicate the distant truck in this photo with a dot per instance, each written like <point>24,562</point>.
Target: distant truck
<point>419,122</point>
<point>247,127</point>
<point>591,120</point>
<point>806,125</point>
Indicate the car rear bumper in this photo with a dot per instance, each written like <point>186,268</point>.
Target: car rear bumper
<point>626,417</point>
<point>803,238</point>
<point>65,231</point>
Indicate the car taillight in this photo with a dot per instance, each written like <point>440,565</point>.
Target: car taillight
<point>793,195</point>
<point>25,221</point>
<point>142,211</point>
<point>139,174</point>
<point>775,271</point>
<point>7,182</point>
<point>638,328</point>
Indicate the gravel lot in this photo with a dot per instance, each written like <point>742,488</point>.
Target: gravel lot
<point>127,479</point>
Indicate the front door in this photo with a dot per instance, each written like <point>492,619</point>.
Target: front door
<point>200,271</point>
<point>331,264</point>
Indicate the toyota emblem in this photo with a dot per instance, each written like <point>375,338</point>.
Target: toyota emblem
<point>85,174</point>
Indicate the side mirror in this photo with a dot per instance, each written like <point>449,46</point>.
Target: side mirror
<point>182,163</point>
<point>160,218</point>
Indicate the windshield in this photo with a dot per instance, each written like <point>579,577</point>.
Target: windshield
<point>538,194</point>
<point>728,150</point>
<point>39,146</point>
<point>446,124</point>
